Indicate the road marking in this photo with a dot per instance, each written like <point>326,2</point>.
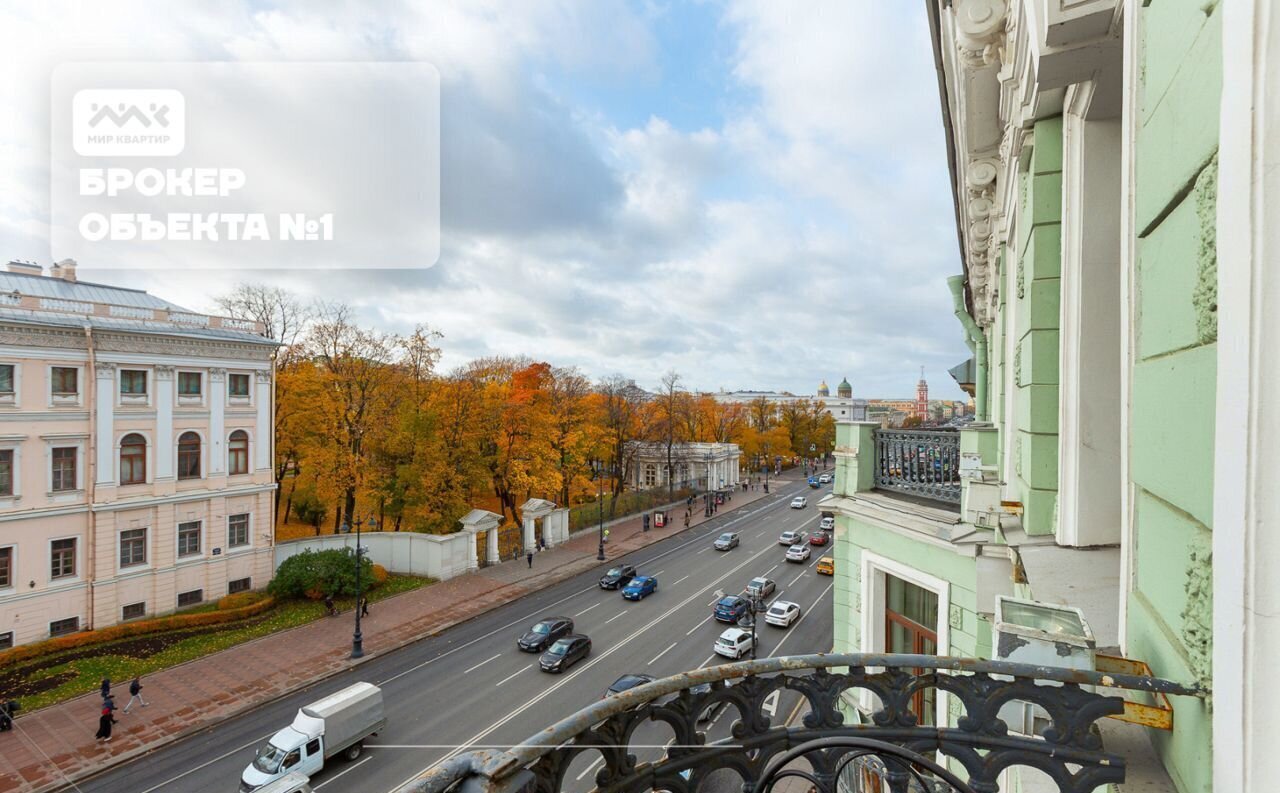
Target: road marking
<point>770,570</point>
<point>704,664</point>
<point>577,671</point>
<point>659,655</point>
<point>803,614</point>
<point>585,610</point>
<point>223,756</point>
<point>761,534</point>
<point>508,677</point>
<point>704,550</point>
<point>770,704</point>
<point>678,581</point>
<point>587,770</point>
<point>482,663</point>
<point>797,578</point>
<point>611,619</point>
<point>699,625</point>
<point>343,771</point>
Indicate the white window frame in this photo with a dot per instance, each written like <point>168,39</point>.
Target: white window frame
<point>248,545</point>
<point>179,557</point>
<point>872,590</point>
<point>204,455</point>
<point>148,563</point>
<point>64,400</point>
<point>148,459</point>
<point>136,400</point>
<point>15,446</point>
<point>13,566</point>
<point>235,399</point>
<point>79,562</point>
<point>77,442</point>
<point>12,400</point>
<point>190,400</point>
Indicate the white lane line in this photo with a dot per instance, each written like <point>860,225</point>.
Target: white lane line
<point>343,771</point>
<point>522,669</point>
<point>802,616</point>
<point>704,550</point>
<point>589,768</point>
<point>660,572</point>
<point>659,655</point>
<point>585,610</point>
<point>614,617</point>
<point>770,570</point>
<point>482,663</point>
<point>797,578</point>
<point>710,658</point>
<point>679,581</point>
<point>712,603</point>
<point>699,625</point>
<point>578,670</point>
<point>761,534</point>
<point>223,756</point>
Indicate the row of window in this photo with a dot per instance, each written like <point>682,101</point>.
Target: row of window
<point>64,381</point>
<point>63,553</point>
<point>64,461</point>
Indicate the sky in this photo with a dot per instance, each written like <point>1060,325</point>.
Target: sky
<point>753,194</point>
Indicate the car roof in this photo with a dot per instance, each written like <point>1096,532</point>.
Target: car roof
<point>732,633</point>
<point>759,578</point>
<point>827,559</point>
<point>640,579</point>
<point>553,619</point>
<point>631,681</point>
<point>786,604</point>
<point>729,600</point>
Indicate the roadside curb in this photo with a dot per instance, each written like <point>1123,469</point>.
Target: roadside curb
<point>506,593</point>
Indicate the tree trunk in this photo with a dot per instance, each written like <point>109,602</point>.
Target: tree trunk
<point>349,507</point>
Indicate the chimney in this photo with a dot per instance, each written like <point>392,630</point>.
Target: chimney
<point>65,269</point>
<point>25,268</point>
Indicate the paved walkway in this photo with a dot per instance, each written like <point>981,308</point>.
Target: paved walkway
<point>55,745</point>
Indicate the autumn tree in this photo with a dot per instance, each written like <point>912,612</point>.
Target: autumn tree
<point>622,416</point>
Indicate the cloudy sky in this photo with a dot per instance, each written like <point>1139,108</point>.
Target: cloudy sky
<point>751,193</point>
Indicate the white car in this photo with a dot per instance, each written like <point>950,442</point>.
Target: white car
<point>799,502</point>
<point>782,613</point>
<point>734,643</point>
<point>792,538</point>
<point>825,479</point>
<point>827,524</point>
<point>798,553</point>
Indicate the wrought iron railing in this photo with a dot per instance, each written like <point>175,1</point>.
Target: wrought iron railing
<point>891,744</point>
<point>924,463</point>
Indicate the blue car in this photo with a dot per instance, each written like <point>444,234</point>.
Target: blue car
<point>730,608</point>
<point>813,481</point>
<point>640,587</point>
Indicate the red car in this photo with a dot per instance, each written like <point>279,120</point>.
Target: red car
<point>819,538</point>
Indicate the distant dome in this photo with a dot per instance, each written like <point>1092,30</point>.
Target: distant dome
<point>823,390</point>
<point>844,389</point>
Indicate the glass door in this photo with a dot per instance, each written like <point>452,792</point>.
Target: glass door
<point>910,624</point>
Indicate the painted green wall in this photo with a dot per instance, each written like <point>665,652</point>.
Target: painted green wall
<point>1037,292</point>
<point>1174,370</point>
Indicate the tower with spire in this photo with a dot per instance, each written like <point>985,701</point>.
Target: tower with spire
<point>922,398</point>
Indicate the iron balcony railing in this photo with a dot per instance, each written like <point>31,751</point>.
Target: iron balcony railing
<point>887,752</point>
<point>923,463</point>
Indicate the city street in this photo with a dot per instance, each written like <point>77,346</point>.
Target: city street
<point>471,687</point>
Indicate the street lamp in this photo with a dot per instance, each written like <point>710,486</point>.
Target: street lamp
<point>357,638</point>
<point>748,620</point>
<point>598,465</point>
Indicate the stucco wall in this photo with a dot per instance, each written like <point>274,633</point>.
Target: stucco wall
<point>1174,364</point>
<point>436,556</point>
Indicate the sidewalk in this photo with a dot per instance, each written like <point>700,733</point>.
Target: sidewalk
<point>53,746</point>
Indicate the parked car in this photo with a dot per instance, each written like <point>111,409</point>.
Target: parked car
<point>730,608</point>
<point>640,587</point>
<point>726,541</point>
<point>813,481</point>
<point>761,587</point>
<point>827,523</point>
<point>543,633</point>
<point>826,566</point>
<point>819,538</point>
<point>798,553</point>
<point>825,479</point>
<point>782,613</point>
<point>565,653</point>
<point>799,502</point>
<point>627,682</point>
<point>618,576</point>
<point>792,537</point>
<point>734,643</point>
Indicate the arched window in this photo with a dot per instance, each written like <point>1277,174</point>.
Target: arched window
<point>133,459</point>
<point>238,453</point>
<point>188,456</point>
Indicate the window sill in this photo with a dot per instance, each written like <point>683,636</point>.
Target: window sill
<point>191,401</point>
<point>134,400</point>
<point>239,401</point>
<point>64,401</point>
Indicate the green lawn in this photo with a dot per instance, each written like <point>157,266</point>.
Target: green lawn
<point>48,680</point>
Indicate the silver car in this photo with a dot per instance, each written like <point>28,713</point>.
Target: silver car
<point>726,541</point>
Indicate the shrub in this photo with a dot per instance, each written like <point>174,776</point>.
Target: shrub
<point>239,600</point>
<point>379,574</point>
<point>330,572</point>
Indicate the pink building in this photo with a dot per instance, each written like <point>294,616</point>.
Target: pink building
<point>135,455</point>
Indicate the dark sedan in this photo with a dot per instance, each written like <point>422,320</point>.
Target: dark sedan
<point>731,608</point>
<point>544,632</point>
<point>565,652</point>
<point>627,682</point>
<point>618,576</point>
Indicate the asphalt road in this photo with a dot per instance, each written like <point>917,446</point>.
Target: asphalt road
<point>471,687</point>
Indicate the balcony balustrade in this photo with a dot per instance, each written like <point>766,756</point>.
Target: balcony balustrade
<point>924,463</point>
<point>888,752</point>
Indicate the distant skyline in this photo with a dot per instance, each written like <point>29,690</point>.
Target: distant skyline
<point>744,192</point>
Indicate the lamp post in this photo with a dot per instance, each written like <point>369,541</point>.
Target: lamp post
<point>599,467</point>
<point>754,603</point>
<point>357,638</point>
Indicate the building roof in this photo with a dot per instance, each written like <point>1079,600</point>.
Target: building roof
<point>44,286</point>
<point>157,328</point>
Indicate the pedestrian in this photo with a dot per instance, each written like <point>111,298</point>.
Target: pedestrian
<point>135,693</point>
<point>105,720</point>
<point>542,542</point>
<point>364,608</point>
<point>106,687</point>
<point>529,557</point>
<point>686,520</point>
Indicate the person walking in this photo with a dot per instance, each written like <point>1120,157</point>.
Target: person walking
<point>135,693</point>
<point>529,557</point>
<point>330,609</point>
<point>364,609</point>
<point>106,687</point>
<point>104,724</point>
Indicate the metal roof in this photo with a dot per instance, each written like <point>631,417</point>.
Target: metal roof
<point>44,286</point>
<point>133,325</point>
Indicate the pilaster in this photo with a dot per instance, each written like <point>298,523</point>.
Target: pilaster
<point>105,403</point>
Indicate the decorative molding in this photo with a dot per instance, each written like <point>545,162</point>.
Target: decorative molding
<point>956,617</point>
<point>217,375</point>
<point>105,370</point>
<point>980,30</point>
<point>264,375</point>
<point>164,372</point>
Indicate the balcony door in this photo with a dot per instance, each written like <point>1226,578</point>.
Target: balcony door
<point>910,618</point>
